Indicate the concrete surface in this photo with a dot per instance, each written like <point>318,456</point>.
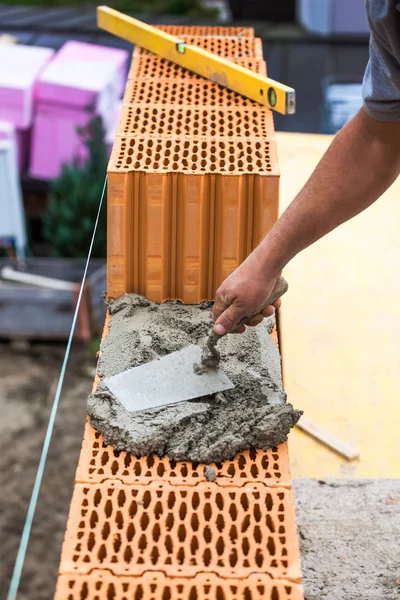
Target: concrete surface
<point>349,538</point>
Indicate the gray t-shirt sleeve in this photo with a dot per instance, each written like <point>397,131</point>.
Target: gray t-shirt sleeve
<point>381,85</point>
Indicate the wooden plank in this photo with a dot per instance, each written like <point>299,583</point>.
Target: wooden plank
<point>326,438</point>
<point>340,329</point>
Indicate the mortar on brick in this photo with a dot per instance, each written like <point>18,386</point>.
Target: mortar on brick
<point>213,428</point>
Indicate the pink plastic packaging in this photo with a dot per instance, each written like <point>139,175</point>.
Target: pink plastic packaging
<point>82,80</point>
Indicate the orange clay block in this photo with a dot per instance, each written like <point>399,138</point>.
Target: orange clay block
<point>99,463</point>
<point>184,213</point>
<point>102,585</point>
<point>184,93</point>
<point>153,67</point>
<point>228,47</point>
<point>206,30</point>
<point>182,530</point>
<point>192,190</point>
<point>195,122</point>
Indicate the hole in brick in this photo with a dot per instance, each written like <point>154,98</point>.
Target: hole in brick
<point>146,499</point>
<point>194,522</point>
<point>233,557</point>
<point>142,543</point>
<point>144,521</point>
<point>171,499</point>
<point>245,546</point>
<point>156,532</point>
<point>233,534</point>
<point>93,519</point>
<point>245,523</point>
<point>268,502</point>
<point>102,553</point>
<point>84,591</point>
<point>233,512</point>
<point>130,532</point>
<point>133,509</point>
<point>117,542</point>
<point>105,532</point>
<point>181,556</point>
<point>207,535</point>
<point>220,522</point>
<point>119,519</point>
<point>257,512</point>
<point>207,556</point>
<point>220,594</point>
<point>121,498</point>
<point>271,547</point>
<point>167,594</point>
<point>91,541</point>
<point>181,533</point>
<point>220,546</point>
<point>244,501</point>
<point>207,511</point>
<point>128,554</point>
<point>155,555</point>
<point>168,544</point>
<point>182,511</point>
<point>195,498</point>
<point>270,523</point>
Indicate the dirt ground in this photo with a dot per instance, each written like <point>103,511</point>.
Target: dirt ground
<point>27,383</point>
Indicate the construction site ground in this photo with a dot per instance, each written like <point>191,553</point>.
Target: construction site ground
<point>349,529</point>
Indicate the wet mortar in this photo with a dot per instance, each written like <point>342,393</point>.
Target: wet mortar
<point>212,428</point>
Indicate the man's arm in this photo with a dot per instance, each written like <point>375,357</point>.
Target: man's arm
<point>361,163</point>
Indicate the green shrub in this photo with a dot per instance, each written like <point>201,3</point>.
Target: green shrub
<point>74,200</point>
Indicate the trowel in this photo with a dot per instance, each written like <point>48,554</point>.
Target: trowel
<point>183,375</point>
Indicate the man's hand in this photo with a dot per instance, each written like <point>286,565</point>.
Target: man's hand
<point>243,293</point>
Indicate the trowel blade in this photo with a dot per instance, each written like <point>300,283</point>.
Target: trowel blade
<point>167,380</point>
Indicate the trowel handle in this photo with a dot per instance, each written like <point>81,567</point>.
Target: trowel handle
<point>280,288</point>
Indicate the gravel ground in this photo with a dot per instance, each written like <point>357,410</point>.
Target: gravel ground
<point>349,538</point>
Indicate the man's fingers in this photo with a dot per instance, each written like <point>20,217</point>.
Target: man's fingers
<point>220,305</point>
<point>269,310</point>
<point>229,319</point>
<point>255,320</point>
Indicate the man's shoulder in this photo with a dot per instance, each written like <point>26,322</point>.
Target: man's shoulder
<point>384,18</point>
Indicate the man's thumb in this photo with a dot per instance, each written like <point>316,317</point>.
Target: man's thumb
<point>229,319</point>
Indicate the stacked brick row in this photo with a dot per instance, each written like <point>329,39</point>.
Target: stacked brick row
<point>151,528</point>
<point>193,176</point>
